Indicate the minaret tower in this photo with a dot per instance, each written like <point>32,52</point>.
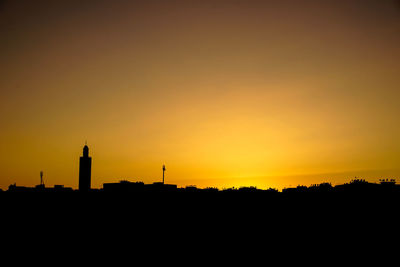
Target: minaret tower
<point>85,169</point>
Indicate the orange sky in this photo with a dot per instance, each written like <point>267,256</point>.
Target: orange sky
<point>225,93</point>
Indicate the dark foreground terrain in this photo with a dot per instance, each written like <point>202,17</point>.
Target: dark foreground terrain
<point>319,219</point>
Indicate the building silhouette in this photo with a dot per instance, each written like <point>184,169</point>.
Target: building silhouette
<point>138,187</point>
<point>85,169</point>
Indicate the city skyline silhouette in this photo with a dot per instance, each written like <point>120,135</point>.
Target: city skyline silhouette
<point>327,215</point>
<point>355,185</point>
<point>83,182</point>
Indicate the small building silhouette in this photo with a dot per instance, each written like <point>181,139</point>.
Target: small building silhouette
<point>123,186</point>
<point>161,187</point>
<point>138,187</point>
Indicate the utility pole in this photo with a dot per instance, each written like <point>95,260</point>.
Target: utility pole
<point>163,171</point>
<point>41,178</point>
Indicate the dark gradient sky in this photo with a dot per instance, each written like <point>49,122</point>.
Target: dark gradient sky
<point>225,93</point>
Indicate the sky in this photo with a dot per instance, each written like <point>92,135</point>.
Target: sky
<point>224,93</point>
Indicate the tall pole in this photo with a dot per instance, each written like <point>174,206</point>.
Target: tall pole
<point>163,170</point>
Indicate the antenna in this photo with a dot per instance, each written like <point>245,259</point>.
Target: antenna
<point>41,178</point>
<point>163,171</point>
